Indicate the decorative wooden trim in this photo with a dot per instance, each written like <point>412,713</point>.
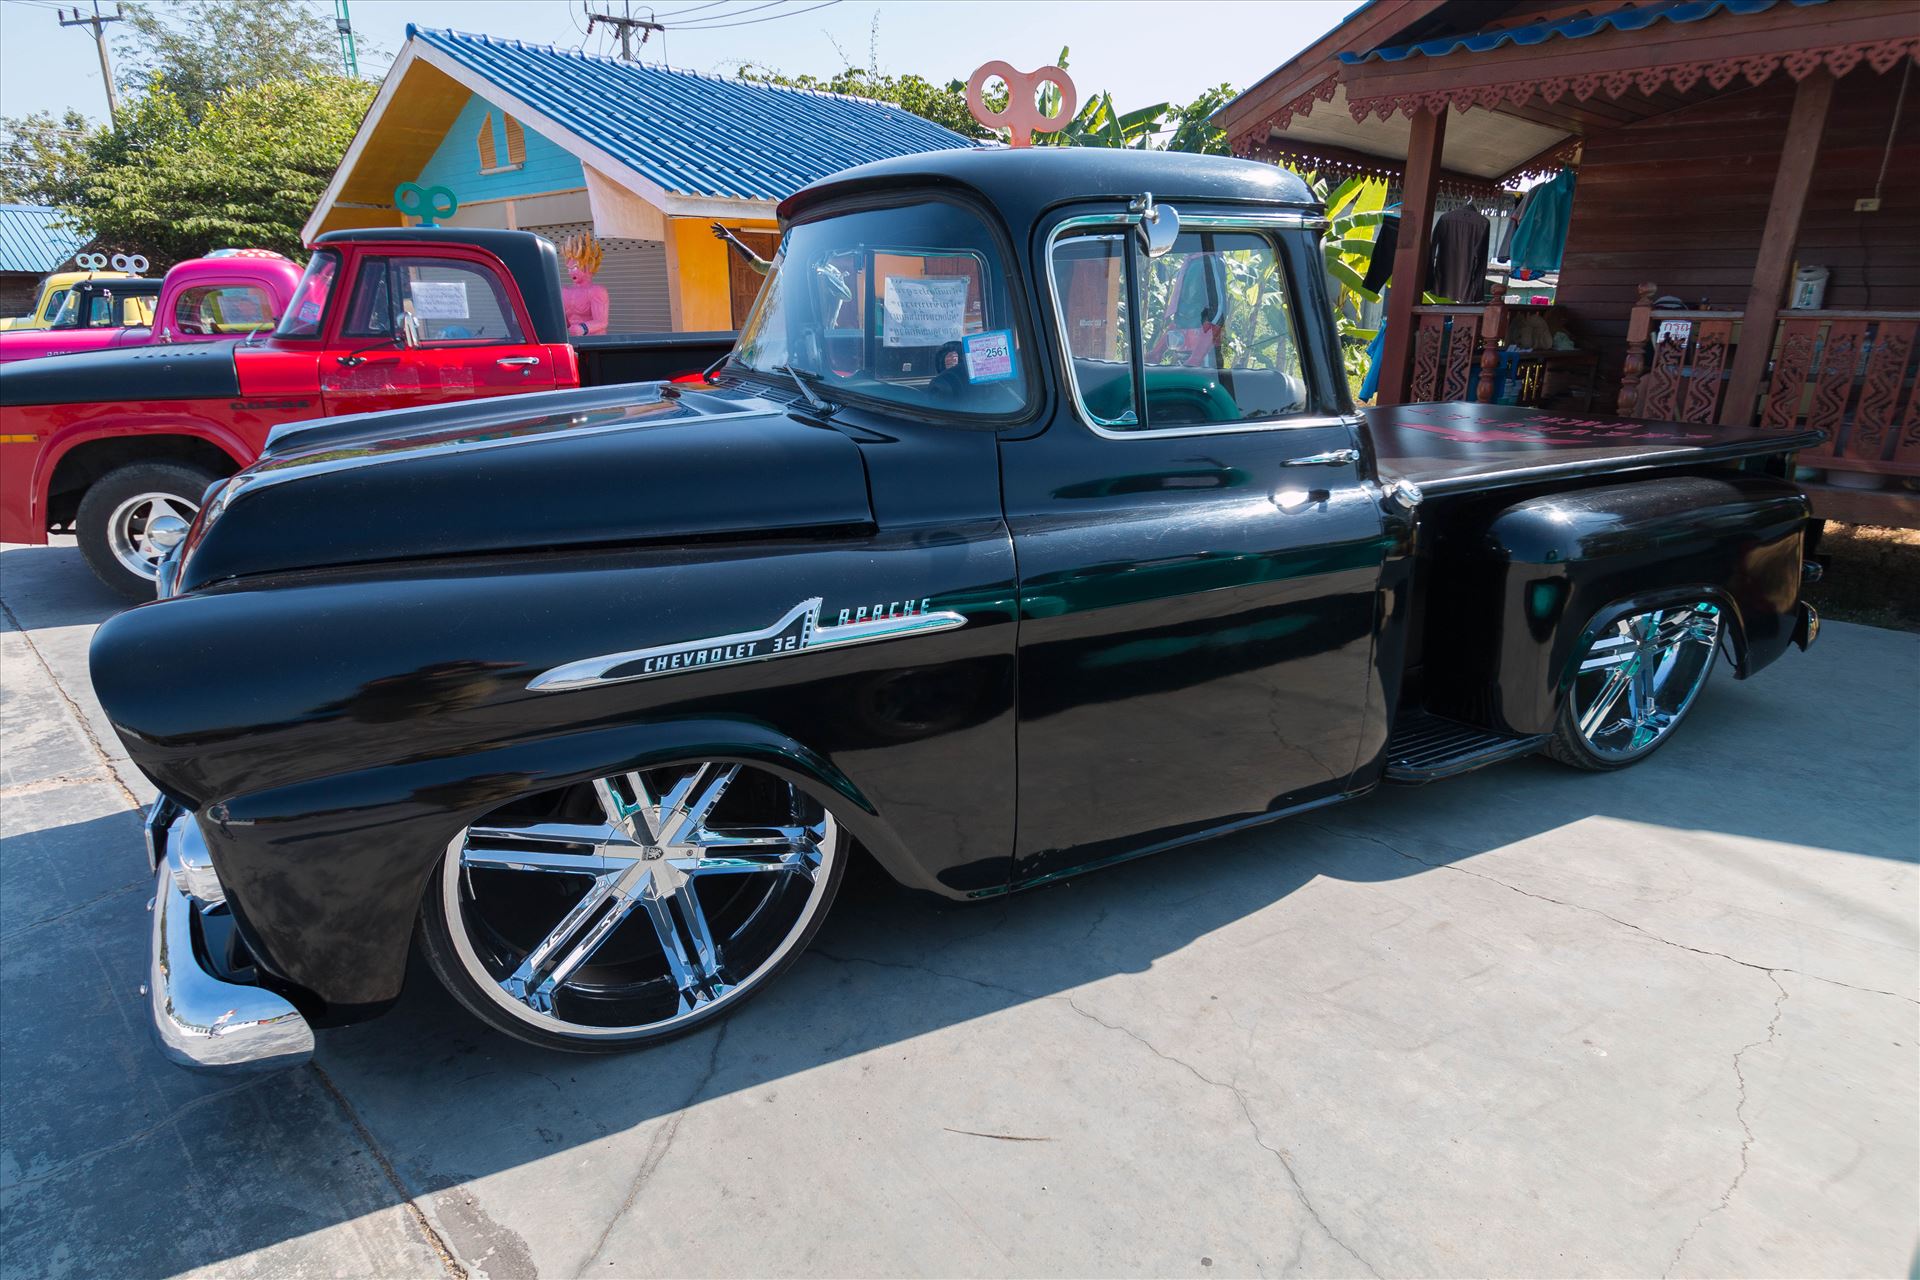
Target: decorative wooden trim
<point>1462,346</point>
<point>1710,343</point>
<point>1879,55</point>
<point>1880,388</point>
<point>1660,392</point>
<point>1425,385</point>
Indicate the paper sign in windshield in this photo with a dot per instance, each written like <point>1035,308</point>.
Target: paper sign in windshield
<point>990,356</point>
<point>440,299</point>
<point>924,311</point>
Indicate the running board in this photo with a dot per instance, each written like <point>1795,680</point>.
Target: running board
<point>1426,748</point>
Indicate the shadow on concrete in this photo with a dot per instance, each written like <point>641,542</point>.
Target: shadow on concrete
<point>116,1159</point>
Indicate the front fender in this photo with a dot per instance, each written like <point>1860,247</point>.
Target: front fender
<point>332,732</point>
<point>69,427</point>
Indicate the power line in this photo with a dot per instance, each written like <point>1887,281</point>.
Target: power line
<point>772,17</point>
<point>732,13</point>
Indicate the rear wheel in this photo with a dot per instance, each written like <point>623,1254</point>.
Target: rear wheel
<point>1635,683</point>
<point>620,913</point>
<point>132,516</point>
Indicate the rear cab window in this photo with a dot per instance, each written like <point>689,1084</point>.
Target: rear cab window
<point>447,301</point>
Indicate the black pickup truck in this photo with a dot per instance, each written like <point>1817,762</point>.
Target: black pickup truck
<point>1029,527</point>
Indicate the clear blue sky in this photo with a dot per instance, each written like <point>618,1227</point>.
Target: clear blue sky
<point>1145,51</point>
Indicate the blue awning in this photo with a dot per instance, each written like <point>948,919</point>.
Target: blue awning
<point>1637,18</point>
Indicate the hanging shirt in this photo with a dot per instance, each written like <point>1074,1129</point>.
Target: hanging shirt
<point>1460,255</point>
<point>1541,237</point>
<point>1386,242</point>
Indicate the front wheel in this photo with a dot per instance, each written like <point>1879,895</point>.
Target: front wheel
<point>132,516</point>
<point>619,913</point>
<point>1635,683</point>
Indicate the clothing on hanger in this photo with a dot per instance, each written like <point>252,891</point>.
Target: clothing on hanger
<point>1460,255</point>
<point>1540,238</point>
<point>1386,242</point>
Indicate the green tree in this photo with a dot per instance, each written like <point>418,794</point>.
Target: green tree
<point>944,105</point>
<point>1193,127</point>
<point>203,48</point>
<point>245,171</point>
<point>39,156</point>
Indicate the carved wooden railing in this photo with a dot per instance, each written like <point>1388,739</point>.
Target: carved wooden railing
<point>1448,343</point>
<point>1848,373</point>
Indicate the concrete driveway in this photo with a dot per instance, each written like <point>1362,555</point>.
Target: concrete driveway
<point>1528,1022</point>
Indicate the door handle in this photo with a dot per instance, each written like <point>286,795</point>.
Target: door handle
<point>508,362</point>
<point>1332,458</point>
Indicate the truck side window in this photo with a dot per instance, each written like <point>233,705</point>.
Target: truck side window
<point>1215,342</point>
<point>1090,279</point>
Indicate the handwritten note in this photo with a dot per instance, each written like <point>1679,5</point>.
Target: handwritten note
<point>924,311</point>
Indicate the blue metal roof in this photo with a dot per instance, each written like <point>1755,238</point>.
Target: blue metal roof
<point>695,135</point>
<point>1637,18</point>
<point>32,239</point>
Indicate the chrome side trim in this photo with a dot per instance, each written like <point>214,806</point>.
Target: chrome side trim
<point>798,630</point>
<point>201,1022</point>
<point>1266,222</point>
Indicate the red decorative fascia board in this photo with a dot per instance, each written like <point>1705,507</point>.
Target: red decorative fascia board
<point>1282,118</point>
<point>1881,55</point>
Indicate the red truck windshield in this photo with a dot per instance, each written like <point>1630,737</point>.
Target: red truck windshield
<point>310,297</point>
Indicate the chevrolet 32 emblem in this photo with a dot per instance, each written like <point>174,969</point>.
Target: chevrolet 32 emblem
<point>798,631</point>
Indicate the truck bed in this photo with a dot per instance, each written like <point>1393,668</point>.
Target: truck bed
<point>1464,447</point>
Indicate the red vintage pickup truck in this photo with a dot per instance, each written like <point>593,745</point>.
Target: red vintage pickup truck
<point>120,445</point>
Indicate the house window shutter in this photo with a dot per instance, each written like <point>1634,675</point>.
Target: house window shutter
<point>487,156</point>
<point>516,142</point>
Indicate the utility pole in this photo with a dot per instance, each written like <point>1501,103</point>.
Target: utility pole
<point>626,26</point>
<point>348,58</point>
<point>99,22</point>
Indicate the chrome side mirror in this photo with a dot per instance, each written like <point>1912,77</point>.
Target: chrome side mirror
<point>409,326</point>
<point>1159,225</point>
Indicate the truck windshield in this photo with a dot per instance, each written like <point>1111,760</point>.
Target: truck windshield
<point>309,305</point>
<point>909,305</point>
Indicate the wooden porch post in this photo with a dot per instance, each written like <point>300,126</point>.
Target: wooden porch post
<point>1414,251</point>
<point>1790,183</point>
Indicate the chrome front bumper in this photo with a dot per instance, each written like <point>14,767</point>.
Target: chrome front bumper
<point>200,1020</point>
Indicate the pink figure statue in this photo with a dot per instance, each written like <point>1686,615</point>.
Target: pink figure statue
<point>583,301</point>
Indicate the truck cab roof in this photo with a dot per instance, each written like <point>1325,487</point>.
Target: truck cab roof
<point>1024,182</point>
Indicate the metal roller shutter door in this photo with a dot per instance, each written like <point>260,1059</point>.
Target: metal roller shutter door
<point>634,273</point>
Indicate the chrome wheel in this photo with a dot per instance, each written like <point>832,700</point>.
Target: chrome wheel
<point>144,527</point>
<point>638,905</point>
<point>1638,678</point>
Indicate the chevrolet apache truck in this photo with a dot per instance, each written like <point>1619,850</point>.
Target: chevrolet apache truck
<point>119,445</point>
<point>1028,528</point>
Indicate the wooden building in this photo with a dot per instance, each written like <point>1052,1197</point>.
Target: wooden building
<point>1719,147</point>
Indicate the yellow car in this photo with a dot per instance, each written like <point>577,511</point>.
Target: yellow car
<point>53,292</point>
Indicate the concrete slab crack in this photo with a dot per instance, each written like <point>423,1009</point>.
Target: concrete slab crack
<point>434,1240</point>
<point>1769,970</point>
<point>73,708</point>
<point>657,1150</point>
<point>1253,1125</point>
<point>1740,1114</point>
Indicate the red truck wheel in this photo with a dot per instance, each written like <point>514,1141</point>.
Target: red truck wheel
<point>132,516</point>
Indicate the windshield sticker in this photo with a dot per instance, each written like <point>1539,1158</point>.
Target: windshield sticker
<point>924,311</point>
<point>440,299</point>
<point>990,356</point>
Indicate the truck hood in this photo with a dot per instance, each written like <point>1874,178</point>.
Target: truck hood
<point>197,372</point>
<point>540,472</point>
